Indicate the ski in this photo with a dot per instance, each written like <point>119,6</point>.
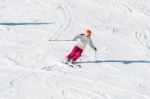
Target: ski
<point>66,63</point>
<point>77,65</point>
<point>72,65</point>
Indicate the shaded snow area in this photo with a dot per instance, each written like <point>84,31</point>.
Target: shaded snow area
<point>31,66</point>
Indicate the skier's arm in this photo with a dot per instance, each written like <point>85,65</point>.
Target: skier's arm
<point>91,45</point>
<point>76,37</point>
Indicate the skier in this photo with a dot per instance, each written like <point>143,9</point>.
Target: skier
<point>82,41</point>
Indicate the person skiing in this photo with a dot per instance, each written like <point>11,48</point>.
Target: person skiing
<point>82,41</point>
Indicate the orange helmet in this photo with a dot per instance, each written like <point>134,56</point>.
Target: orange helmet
<point>88,33</point>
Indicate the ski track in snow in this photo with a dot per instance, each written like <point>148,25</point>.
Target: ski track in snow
<point>143,39</point>
<point>67,15</point>
<point>81,89</point>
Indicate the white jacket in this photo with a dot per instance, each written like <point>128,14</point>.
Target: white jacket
<point>82,41</point>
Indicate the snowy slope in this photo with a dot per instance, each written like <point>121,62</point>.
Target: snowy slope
<point>30,65</point>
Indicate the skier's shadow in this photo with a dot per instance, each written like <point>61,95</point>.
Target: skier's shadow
<point>118,61</point>
<point>23,23</point>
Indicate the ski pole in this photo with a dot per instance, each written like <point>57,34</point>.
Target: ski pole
<point>59,40</point>
<point>95,55</point>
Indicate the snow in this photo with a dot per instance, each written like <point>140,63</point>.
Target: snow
<point>30,64</point>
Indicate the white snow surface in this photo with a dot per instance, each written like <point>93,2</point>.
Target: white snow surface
<point>30,64</point>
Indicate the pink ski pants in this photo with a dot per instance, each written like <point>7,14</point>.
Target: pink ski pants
<point>75,53</point>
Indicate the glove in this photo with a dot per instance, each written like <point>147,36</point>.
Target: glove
<point>95,49</point>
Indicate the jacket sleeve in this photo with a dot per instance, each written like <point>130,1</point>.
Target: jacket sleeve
<point>91,44</point>
<point>76,37</point>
